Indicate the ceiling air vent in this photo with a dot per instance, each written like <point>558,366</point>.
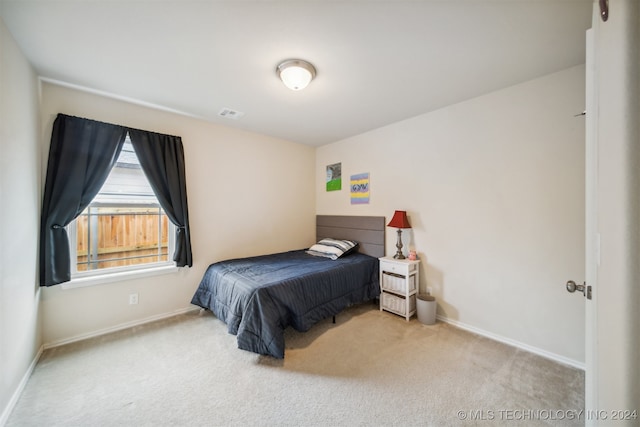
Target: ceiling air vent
<point>228,113</point>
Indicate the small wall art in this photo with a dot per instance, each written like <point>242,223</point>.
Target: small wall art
<point>360,189</point>
<point>334,177</point>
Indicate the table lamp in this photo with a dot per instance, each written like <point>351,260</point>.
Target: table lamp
<point>399,221</point>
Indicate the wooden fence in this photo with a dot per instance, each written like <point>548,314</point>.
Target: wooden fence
<point>125,236</point>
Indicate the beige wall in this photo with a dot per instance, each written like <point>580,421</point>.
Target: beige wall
<point>248,194</point>
<point>19,218</point>
<point>494,190</point>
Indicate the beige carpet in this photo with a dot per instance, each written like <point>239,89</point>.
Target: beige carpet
<point>370,368</point>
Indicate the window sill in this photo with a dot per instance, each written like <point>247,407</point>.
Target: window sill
<point>81,282</point>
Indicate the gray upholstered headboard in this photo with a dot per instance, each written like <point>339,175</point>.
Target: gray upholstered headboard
<point>368,231</point>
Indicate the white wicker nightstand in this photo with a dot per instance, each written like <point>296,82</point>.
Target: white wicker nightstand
<point>399,279</point>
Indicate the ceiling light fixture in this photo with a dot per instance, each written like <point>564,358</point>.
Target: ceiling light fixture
<point>296,74</point>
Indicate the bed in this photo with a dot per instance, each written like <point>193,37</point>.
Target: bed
<point>259,297</point>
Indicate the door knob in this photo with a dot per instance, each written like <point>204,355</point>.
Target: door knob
<point>584,289</point>
<point>572,287</point>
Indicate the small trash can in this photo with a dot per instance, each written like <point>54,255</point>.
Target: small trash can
<point>426,307</point>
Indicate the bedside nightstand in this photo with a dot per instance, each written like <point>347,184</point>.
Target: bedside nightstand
<point>399,281</point>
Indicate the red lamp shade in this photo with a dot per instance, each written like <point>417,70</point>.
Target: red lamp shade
<point>399,220</point>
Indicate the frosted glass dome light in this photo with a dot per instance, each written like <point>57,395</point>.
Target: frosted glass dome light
<point>296,74</point>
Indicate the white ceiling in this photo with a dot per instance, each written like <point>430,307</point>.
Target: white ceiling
<point>378,61</point>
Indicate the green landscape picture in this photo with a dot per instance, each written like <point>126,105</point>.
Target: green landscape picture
<point>334,177</point>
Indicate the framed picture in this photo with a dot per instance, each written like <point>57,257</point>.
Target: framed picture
<point>359,189</point>
<point>334,177</point>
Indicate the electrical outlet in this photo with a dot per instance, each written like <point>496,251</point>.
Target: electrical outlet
<point>429,290</point>
<point>133,299</point>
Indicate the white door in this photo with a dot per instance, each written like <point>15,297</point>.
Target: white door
<point>592,238</point>
<point>612,339</point>
<point>588,290</point>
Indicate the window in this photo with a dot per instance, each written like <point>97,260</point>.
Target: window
<point>80,160</point>
<point>124,228</point>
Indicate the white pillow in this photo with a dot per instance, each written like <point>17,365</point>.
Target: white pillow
<point>332,248</point>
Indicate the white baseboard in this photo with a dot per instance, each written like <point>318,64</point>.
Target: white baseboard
<point>16,395</point>
<point>514,343</point>
<point>119,327</point>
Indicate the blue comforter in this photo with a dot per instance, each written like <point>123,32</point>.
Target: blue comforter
<point>259,297</point>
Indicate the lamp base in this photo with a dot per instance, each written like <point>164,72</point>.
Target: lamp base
<point>399,254</point>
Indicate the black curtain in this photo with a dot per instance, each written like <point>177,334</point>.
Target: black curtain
<point>81,155</point>
<point>162,160</point>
